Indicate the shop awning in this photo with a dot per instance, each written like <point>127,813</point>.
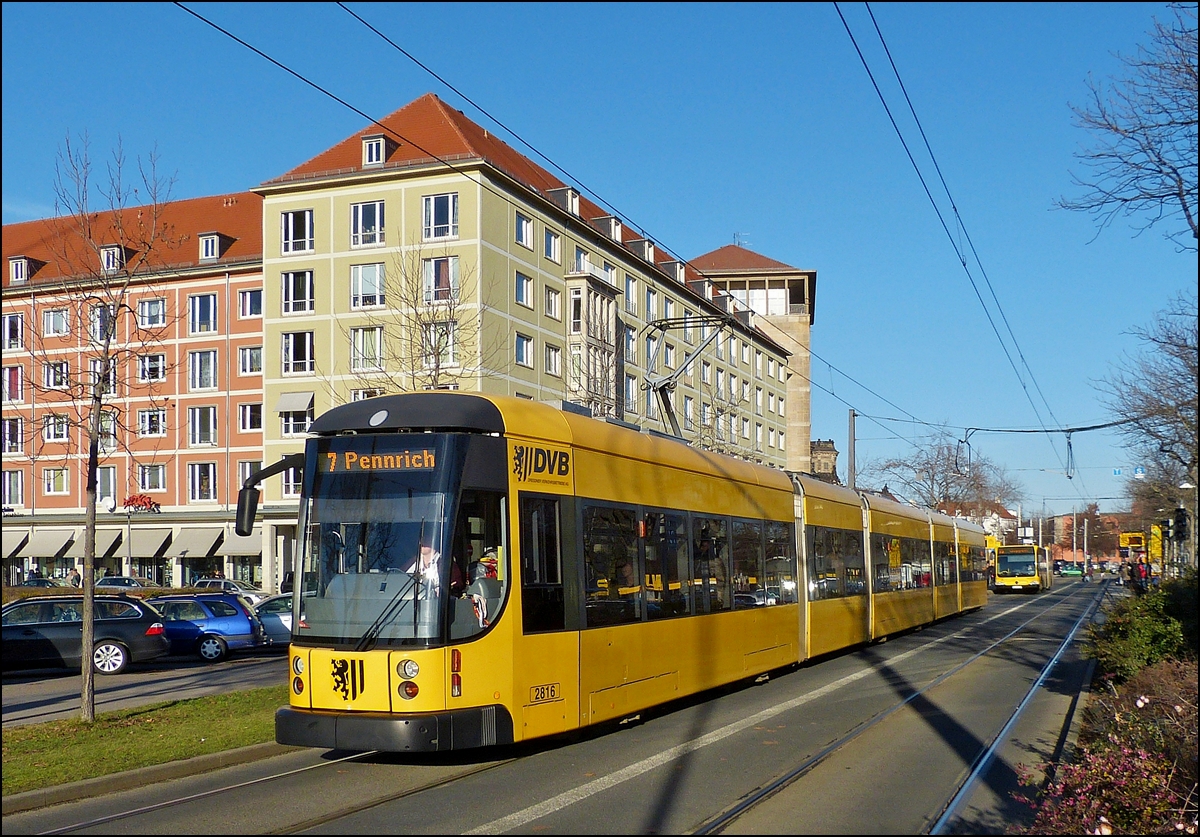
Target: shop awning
<point>106,540</point>
<point>45,543</point>
<point>194,542</point>
<point>235,544</point>
<point>147,543</point>
<point>14,539</point>
<point>294,402</point>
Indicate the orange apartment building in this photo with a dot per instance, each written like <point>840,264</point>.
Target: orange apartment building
<point>183,412</point>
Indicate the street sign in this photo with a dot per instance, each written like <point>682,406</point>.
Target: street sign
<point>1116,472</point>
<point>1139,473</point>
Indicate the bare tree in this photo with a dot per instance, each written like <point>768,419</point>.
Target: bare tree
<point>1154,395</point>
<point>939,474</point>
<point>1143,162</point>
<point>421,325</point>
<point>103,255</point>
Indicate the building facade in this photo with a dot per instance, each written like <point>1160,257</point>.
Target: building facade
<point>419,253</point>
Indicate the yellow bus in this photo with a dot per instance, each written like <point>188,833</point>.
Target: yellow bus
<point>1022,568</point>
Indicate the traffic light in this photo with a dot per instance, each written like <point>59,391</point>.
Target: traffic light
<point>1180,530</point>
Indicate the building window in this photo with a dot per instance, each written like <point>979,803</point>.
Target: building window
<point>366,285</point>
<point>366,224</point>
<point>56,481</point>
<point>524,231</point>
<point>576,311</point>
<point>250,303</point>
<point>779,406</point>
<point>366,349</point>
<point>152,313</point>
<point>651,404</point>
<point>152,368</point>
<point>13,331</point>
<point>758,364</point>
<point>610,273</point>
<point>296,234</point>
<point>758,437</point>
<point>292,478</point>
<point>631,388</point>
<point>705,372</point>
<point>102,324</point>
<point>12,488</point>
<point>524,294</point>
<point>250,417</point>
<point>55,323</point>
<point>524,350</point>
<point>210,247</point>
<point>745,353</point>
<point>152,422</point>
<point>651,303</point>
<point>758,401</point>
<point>650,359</point>
<point>296,422</point>
<point>55,428</point>
<point>687,326</point>
<point>202,481</point>
<point>668,308</point>
<point>553,360</point>
<point>152,477</point>
<point>12,435</point>
<point>553,304</point>
<point>58,374</point>
<point>689,410</point>
<point>553,247</point>
<point>440,278</point>
<point>298,292</point>
<point>745,428</point>
<point>202,426</point>
<point>104,375</point>
<point>298,353</point>
<point>630,294</point>
<point>440,347</point>
<point>250,360</point>
<point>202,370</point>
<point>202,313</point>
<point>363,394</point>
<point>582,260</point>
<point>248,468</point>
<point>441,216</point>
<point>373,151</point>
<point>18,271</point>
<point>630,344</point>
<point>112,258</point>
<point>13,381</point>
<point>106,484</point>
<point>668,355</point>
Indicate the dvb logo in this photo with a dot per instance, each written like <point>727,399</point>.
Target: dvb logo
<point>529,462</point>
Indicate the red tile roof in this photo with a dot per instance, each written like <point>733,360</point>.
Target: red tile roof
<point>237,216</point>
<point>733,257</point>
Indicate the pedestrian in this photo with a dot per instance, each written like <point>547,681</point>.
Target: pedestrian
<point>1140,583</point>
<point>73,577</point>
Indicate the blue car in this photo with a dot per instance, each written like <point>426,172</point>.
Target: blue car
<point>210,624</point>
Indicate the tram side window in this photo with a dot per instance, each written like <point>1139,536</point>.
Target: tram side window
<point>781,563</point>
<point>710,564</point>
<point>835,563</point>
<point>918,557</point>
<point>885,563</point>
<point>668,579</point>
<point>749,565</point>
<point>944,568</point>
<point>543,604</point>
<point>613,593</point>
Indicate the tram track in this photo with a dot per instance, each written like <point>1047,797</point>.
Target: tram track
<point>723,820</point>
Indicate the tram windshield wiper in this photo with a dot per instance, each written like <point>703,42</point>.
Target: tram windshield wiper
<point>367,641</point>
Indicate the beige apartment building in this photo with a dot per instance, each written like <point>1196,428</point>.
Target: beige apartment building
<point>424,253</point>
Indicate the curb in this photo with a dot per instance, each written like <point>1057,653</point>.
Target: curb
<point>129,779</point>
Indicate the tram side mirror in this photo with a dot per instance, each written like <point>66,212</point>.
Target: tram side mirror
<point>246,510</point>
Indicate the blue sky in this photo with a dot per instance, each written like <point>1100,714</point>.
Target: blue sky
<point>697,122</point>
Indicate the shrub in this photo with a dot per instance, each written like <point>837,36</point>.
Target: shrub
<point>1181,594</point>
<point>1138,632</point>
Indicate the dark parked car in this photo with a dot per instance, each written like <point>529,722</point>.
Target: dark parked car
<point>47,632</point>
<point>41,582</point>
<point>210,624</point>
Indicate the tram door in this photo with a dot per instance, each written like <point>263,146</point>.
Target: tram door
<point>546,654</point>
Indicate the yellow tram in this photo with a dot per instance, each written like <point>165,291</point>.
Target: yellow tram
<point>479,570</point>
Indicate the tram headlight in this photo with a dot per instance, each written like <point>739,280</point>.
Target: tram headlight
<point>298,665</point>
<point>408,669</point>
<point>408,690</point>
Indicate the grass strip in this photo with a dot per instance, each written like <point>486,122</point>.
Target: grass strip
<point>55,752</point>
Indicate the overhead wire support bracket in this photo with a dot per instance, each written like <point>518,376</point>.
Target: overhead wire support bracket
<point>664,385</point>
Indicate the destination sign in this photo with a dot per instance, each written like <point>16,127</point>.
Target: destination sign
<point>405,460</point>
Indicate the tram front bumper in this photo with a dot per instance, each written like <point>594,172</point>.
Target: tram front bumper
<point>457,729</point>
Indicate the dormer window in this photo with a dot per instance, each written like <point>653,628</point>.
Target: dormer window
<point>210,247</point>
<point>112,258</point>
<point>18,269</point>
<point>373,151</point>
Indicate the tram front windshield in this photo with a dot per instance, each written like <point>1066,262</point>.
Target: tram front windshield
<point>378,529</point>
<point>1015,565</point>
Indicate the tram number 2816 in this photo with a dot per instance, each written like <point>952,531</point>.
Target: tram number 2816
<point>541,694</point>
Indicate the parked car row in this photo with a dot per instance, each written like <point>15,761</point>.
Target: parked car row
<point>47,631</point>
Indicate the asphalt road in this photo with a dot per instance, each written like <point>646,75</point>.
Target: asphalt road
<point>50,694</point>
